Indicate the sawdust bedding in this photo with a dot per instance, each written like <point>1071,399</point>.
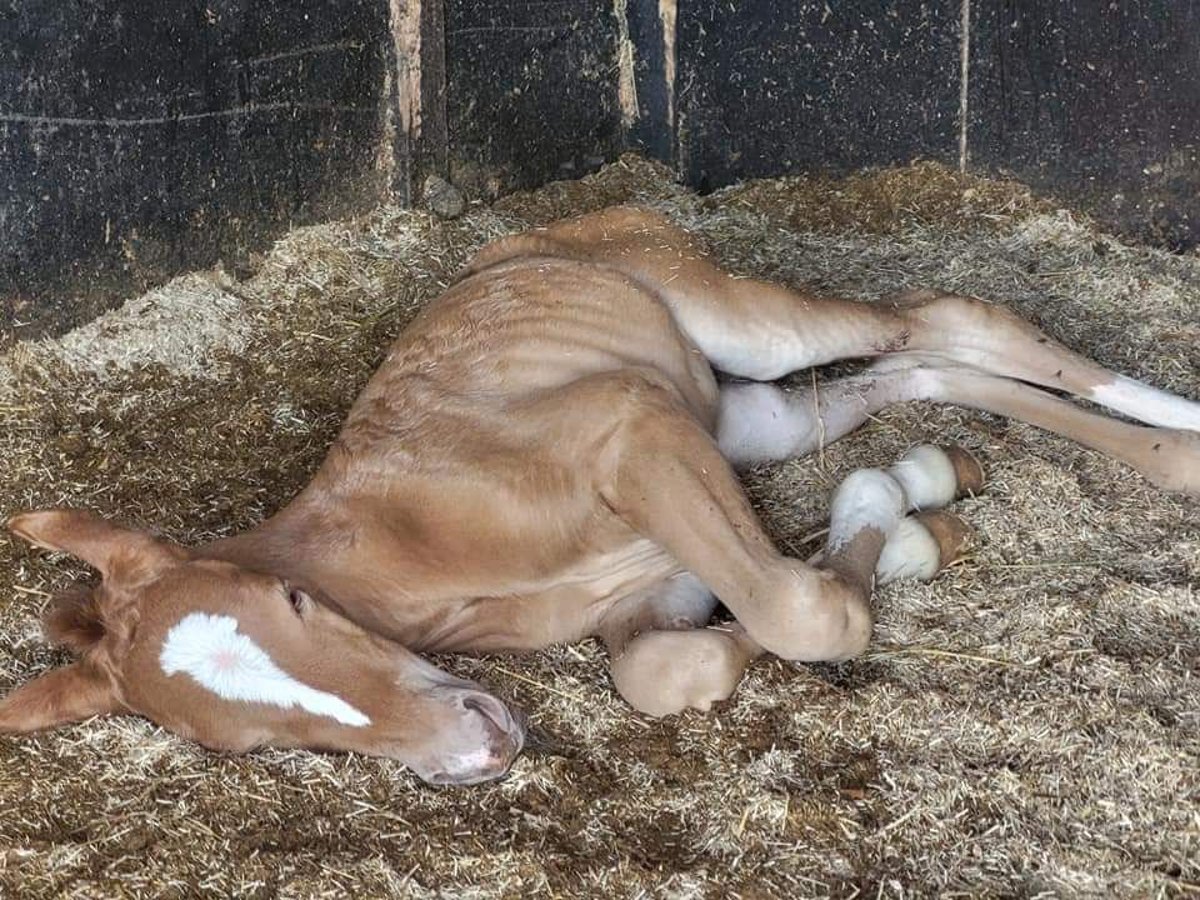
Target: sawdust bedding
<point>1027,725</point>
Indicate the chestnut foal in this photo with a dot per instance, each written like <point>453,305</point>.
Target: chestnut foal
<point>544,455</point>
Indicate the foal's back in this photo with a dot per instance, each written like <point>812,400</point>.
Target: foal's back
<point>499,348</point>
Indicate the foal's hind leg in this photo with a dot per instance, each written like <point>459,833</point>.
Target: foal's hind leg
<point>763,331</point>
<point>953,329</point>
<point>761,422</point>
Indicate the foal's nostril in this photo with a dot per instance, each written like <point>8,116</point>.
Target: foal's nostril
<point>488,707</point>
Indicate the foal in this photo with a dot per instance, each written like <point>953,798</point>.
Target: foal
<point>545,454</point>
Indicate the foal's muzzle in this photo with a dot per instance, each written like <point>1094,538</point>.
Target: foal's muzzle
<point>496,733</point>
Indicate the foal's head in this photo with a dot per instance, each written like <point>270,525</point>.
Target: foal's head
<point>237,659</point>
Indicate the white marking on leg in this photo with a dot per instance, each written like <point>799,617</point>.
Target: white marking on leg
<point>1147,404</point>
<point>760,423</point>
<point>212,651</point>
<point>867,498</point>
<point>927,475</point>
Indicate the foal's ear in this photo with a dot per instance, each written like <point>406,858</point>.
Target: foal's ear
<point>62,695</point>
<point>108,548</point>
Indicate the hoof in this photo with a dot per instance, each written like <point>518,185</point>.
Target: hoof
<point>661,673</point>
<point>921,546</point>
<point>967,470</point>
<point>933,477</point>
<point>951,534</point>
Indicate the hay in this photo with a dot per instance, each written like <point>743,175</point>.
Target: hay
<point>182,326</point>
<point>1026,725</point>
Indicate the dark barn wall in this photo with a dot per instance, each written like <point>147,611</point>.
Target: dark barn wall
<point>769,88</point>
<point>1093,101</point>
<point>139,141</point>
<point>137,144</point>
<point>531,91</point>
<point>1097,101</point>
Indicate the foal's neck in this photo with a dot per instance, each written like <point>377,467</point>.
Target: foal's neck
<point>272,546</point>
<point>297,544</point>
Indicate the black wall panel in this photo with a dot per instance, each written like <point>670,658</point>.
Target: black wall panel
<point>653,36</point>
<point>770,88</point>
<point>530,91</point>
<point>1097,101</point>
<point>136,141</point>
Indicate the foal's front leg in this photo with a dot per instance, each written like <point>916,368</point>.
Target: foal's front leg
<point>665,477</point>
<point>664,660</point>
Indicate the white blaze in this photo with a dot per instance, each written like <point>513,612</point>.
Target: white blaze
<point>210,650</point>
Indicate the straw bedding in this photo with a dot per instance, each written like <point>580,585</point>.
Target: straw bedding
<point>1026,725</point>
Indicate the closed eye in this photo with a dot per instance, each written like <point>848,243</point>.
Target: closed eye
<point>299,600</point>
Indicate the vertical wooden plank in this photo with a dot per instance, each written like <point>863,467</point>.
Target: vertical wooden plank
<point>417,89</point>
<point>651,31</point>
<point>432,147</point>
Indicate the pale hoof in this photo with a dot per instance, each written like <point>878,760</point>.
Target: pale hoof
<point>968,473</point>
<point>921,546</point>
<point>933,477</point>
<point>661,673</point>
<point>951,533</point>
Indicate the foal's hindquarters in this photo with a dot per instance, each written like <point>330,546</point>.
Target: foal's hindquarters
<point>619,381</point>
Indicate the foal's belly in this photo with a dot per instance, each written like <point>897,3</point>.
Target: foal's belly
<point>563,608</point>
<point>482,424</point>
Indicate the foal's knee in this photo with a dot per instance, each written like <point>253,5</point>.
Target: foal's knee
<point>817,616</point>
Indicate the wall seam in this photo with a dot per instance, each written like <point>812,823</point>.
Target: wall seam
<point>964,74</point>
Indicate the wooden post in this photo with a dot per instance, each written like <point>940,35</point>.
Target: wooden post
<point>416,132</point>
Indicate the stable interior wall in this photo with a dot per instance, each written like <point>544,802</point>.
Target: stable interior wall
<point>136,146</point>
